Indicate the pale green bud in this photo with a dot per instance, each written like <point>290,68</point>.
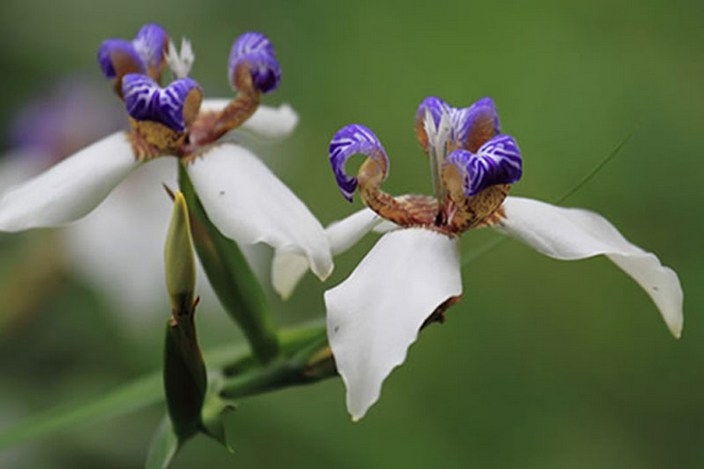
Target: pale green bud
<point>179,259</point>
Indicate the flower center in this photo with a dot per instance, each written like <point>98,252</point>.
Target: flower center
<point>471,164</point>
<point>167,121</point>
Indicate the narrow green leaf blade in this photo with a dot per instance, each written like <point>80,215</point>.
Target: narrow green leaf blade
<point>145,391</point>
<point>137,395</point>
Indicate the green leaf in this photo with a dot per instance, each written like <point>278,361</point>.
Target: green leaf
<point>232,279</point>
<point>164,446</point>
<point>215,411</point>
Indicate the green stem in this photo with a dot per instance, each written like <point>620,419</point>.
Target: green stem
<point>232,280</point>
<point>308,364</point>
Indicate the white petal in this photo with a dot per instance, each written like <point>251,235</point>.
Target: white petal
<point>385,226</point>
<point>569,234</point>
<point>343,234</point>
<point>272,123</point>
<point>267,123</point>
<point>20,165</point>
<point>289,267</point>
<point>214,104</point>
<point>70,189</point>
<point>119,246</point>
<point>376,313</point>
<point>249,204</point>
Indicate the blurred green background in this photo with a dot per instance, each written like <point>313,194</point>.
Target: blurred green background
<point>543,363</point>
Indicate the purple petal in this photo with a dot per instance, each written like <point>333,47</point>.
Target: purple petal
<point>117,57</point>
<point>140,93</point>
<point>347,142</point>
<point>150,42</point>
<point>144,54</point>
<point>475,125</point>
<point>498,161</point>
<point>435,105</point>
<point>255,50</point>
<point>146,101</point>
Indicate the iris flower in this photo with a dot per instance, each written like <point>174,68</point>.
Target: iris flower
<point>412,274</point>
<point>239,193</point>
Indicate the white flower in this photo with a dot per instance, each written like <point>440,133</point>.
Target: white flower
<point>239,193</point>
<point>127,229</point>
<point>412,274</point>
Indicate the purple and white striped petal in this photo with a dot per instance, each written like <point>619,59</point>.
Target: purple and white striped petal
<point>256,51</point>
<point>141,96</point>
<point>351,140</point>
<point>117,57</point>
<point>151,43</point>
<point>497,162</point>
<point>435,108</point>
<point>475,125</point>
<point>144,54</point>
<point>572,234</point>
<point>144,100</point>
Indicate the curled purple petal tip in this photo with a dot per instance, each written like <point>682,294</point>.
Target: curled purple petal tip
<point>150,43</point>
<point>145,100</point>
<point>117,55</point>
<point>144,54</point>
<point>347,142</point>
<point>255,50</point>
<point>498,161</point>
<point>474,125</point>
<point>435,106</point>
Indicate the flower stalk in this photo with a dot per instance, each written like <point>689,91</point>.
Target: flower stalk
<point>305,364</point>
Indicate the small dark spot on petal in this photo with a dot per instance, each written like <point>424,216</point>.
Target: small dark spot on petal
<point>655,288</point>
<point>335,329</point>
<point>222,192</point>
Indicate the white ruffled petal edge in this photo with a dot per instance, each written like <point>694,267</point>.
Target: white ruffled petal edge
<point>250,205</point>
<point>375,314</point>
<point>70,189</point>
<point>570,234</point>
<point>267,122</point>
